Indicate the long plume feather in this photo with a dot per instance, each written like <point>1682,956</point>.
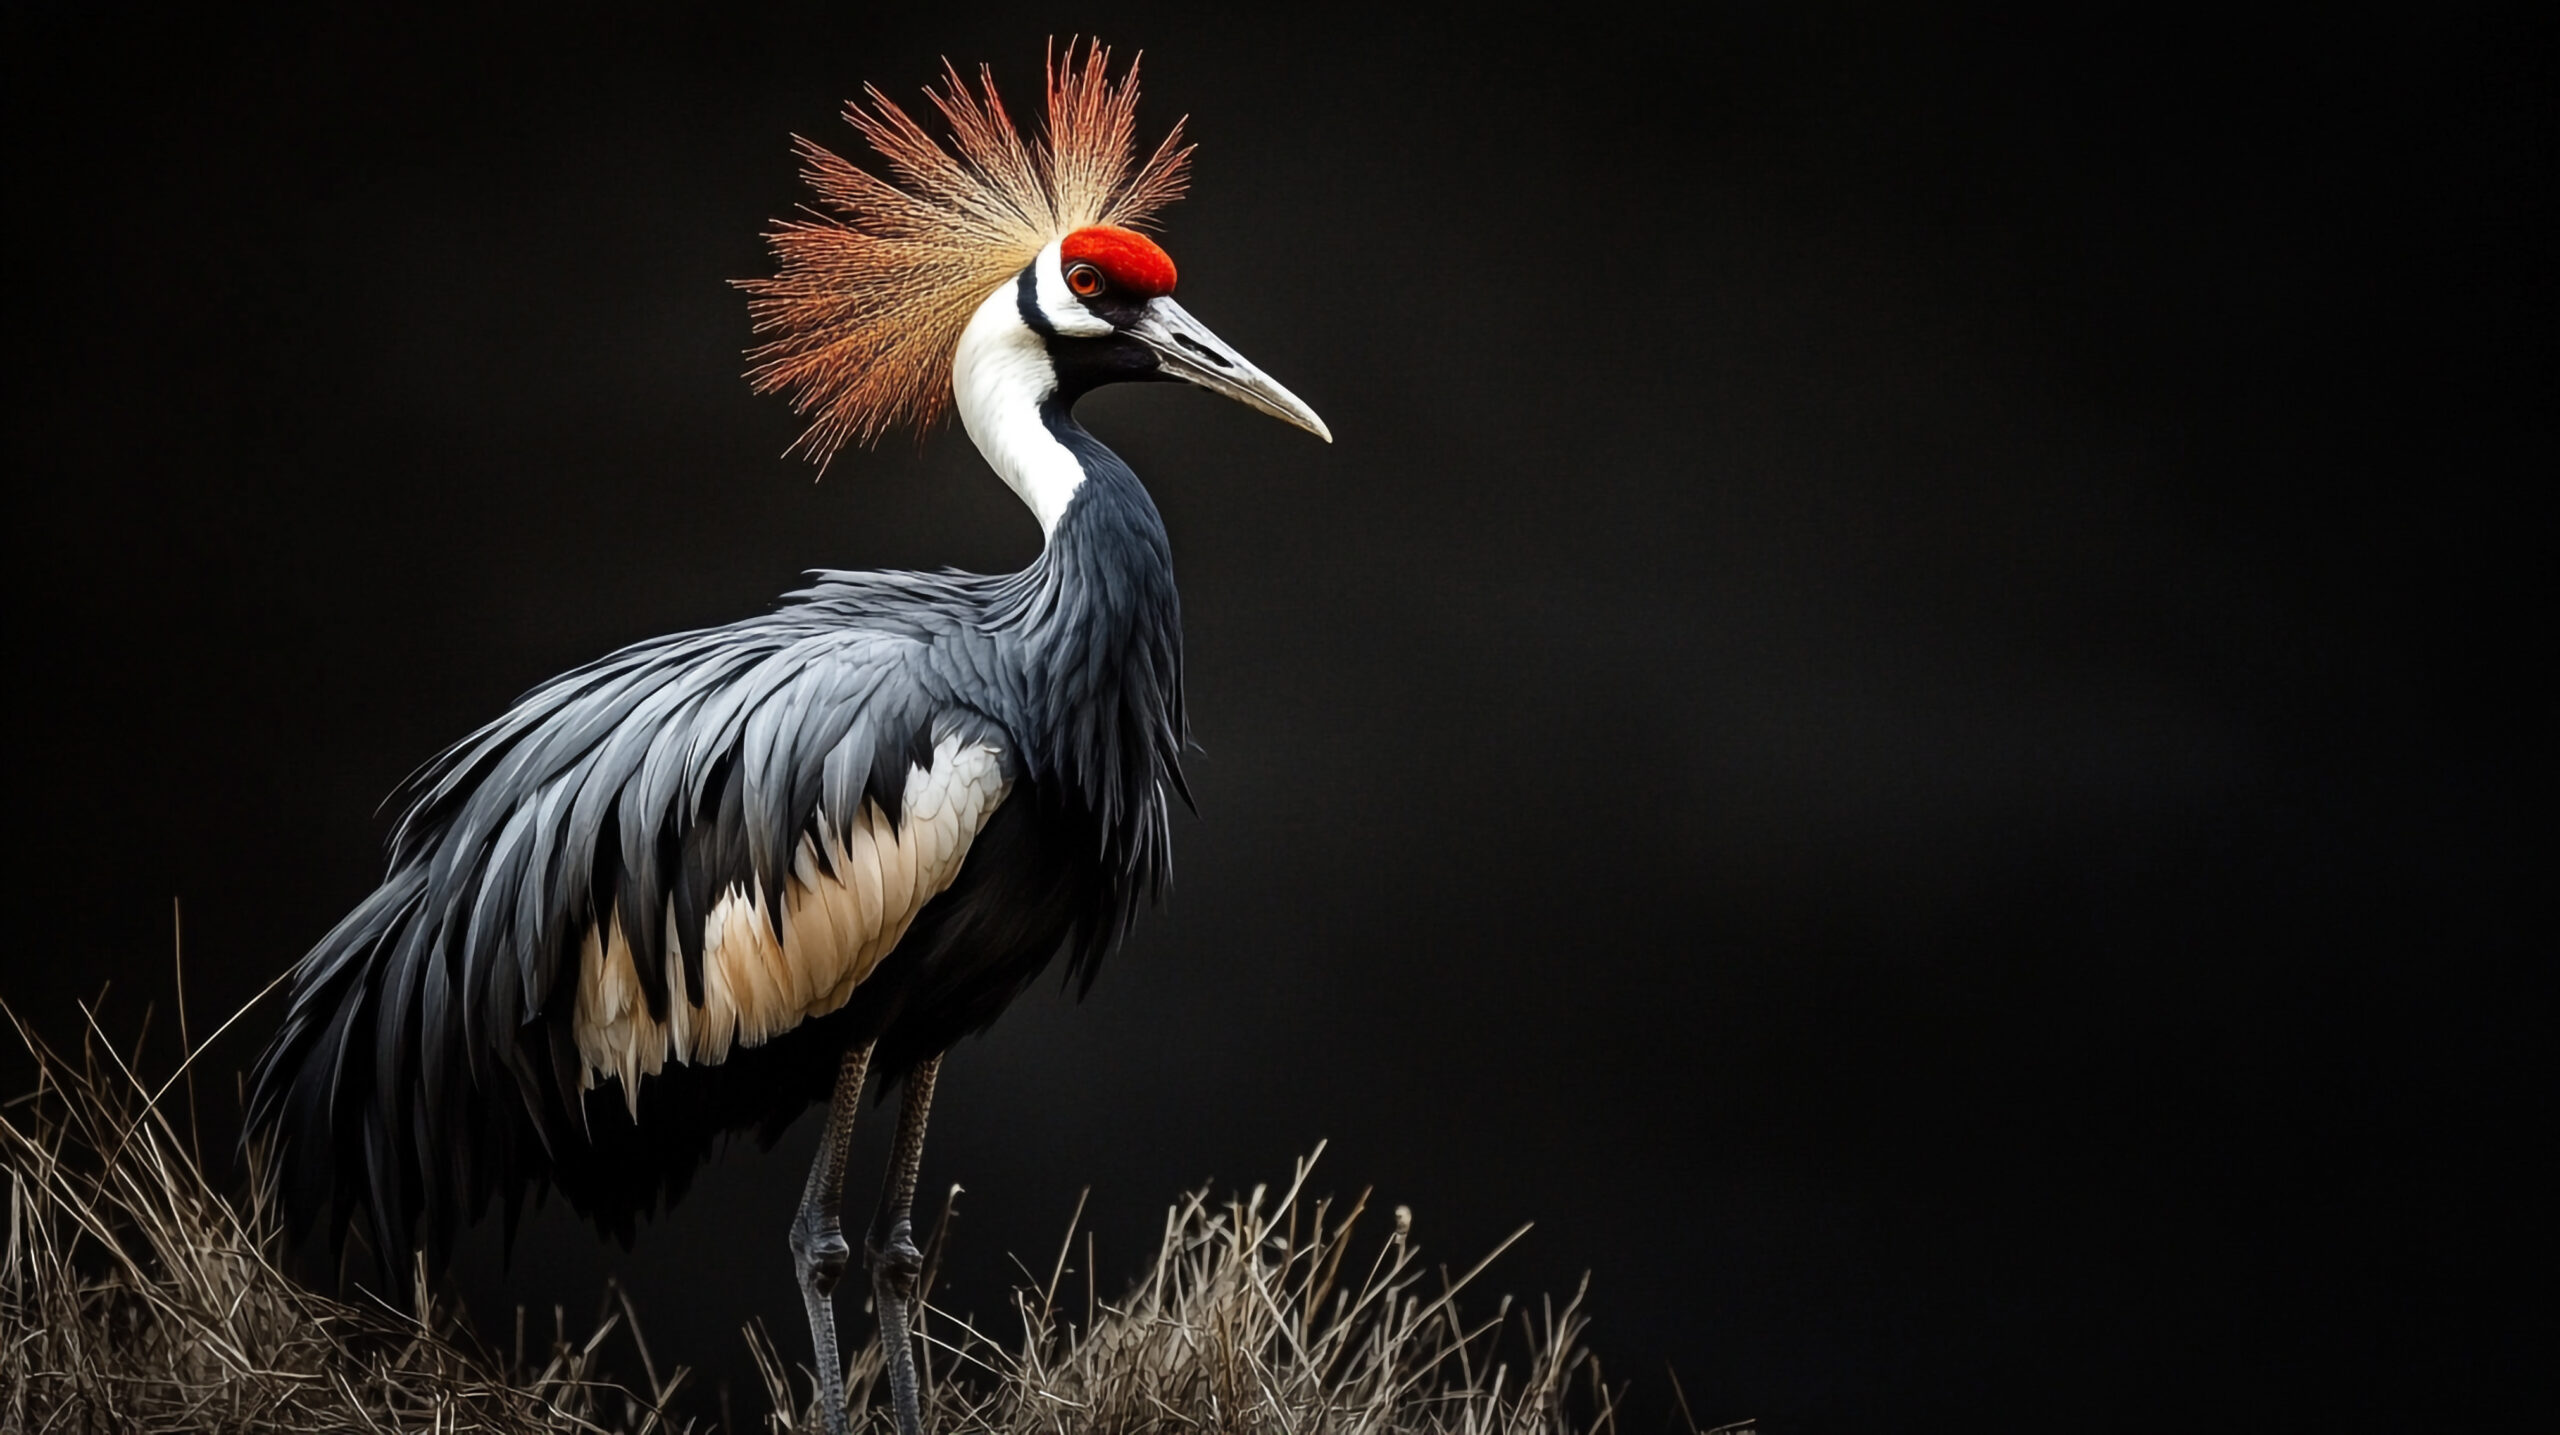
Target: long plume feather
<point>873,287</point>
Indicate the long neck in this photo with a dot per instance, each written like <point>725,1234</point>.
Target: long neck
<point>1004,384</point>
<point>1105,549</point>
<point>1097,617</point>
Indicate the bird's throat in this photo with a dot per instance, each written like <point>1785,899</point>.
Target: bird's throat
<point>1001,377</point>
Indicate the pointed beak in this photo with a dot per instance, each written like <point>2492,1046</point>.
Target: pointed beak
<point>1185,349</point>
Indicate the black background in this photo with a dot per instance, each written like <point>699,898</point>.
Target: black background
<point>1902,712</point>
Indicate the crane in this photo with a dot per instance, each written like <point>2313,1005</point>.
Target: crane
<point>701,884</point>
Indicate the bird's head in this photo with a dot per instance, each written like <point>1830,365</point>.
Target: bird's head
<point>992,261</point>
<point>1099,303</point>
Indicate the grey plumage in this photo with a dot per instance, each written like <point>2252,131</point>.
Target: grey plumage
<point>426,1061</point>
<point>737,871</point>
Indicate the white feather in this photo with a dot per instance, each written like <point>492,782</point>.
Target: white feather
<point>835,930</point>
<point>1000,375</point>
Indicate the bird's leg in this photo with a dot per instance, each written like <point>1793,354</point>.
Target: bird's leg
<point>895,1261</point>
<point>818,1250</point>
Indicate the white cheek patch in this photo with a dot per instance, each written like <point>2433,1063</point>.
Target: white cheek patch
<point>999,378</point>
<point>1058,304</point>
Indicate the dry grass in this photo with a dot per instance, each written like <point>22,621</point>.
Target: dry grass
<point>138,1297</point>
<point>1261,1315</point>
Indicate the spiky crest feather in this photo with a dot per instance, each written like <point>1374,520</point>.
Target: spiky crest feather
<point>870,297</point>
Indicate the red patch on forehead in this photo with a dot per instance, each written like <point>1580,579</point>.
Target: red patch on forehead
<point>1132,261</point>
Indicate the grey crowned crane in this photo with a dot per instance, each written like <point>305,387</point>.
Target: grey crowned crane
<point>699,885</point>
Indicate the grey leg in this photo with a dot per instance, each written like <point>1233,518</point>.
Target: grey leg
<point>895,1261</point>
<point>818,1250</point>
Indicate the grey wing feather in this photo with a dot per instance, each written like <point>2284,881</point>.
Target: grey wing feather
<point>654,780</point>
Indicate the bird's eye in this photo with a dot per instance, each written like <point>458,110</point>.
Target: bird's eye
<point>1085,280</point>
